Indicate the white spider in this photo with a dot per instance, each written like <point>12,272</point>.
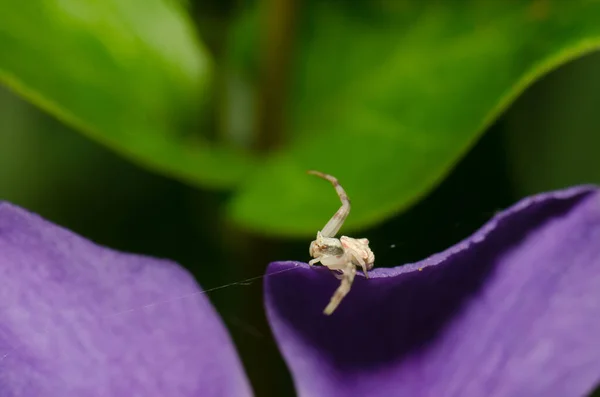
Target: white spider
<point>343,255</point>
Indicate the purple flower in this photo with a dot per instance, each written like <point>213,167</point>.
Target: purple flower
<point>79,320</point>
<point>512,311</point>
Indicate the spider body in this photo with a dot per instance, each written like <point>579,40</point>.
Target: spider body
<point>341,255</point>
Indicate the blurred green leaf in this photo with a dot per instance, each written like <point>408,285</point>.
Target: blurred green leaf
<point>129,74</point>
<point>388,95</point>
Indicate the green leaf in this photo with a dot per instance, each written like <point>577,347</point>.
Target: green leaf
<point>129,74</point>
<point>388,95</point>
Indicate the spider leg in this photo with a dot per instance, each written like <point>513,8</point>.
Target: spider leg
<point>362,264</point>
<point>337,220</point>
<point>347,278</point>
<point>312,262</point>
<point>337,274</point>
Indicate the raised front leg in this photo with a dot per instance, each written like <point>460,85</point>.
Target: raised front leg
<point>335,223</point>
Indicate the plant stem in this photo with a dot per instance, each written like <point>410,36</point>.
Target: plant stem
<point>276,53</point>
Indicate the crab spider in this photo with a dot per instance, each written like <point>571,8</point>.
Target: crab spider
<point>342,255</point>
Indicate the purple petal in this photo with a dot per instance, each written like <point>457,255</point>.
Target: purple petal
<point>514,310</point>
<point>77,319</point>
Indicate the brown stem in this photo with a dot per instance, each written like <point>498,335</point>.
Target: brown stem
<point>277,47</point>
<point>262,360</point>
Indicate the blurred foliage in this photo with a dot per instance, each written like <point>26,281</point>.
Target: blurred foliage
<point>388,95</point>
<point>385,95</point>
<point>130,74</point>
